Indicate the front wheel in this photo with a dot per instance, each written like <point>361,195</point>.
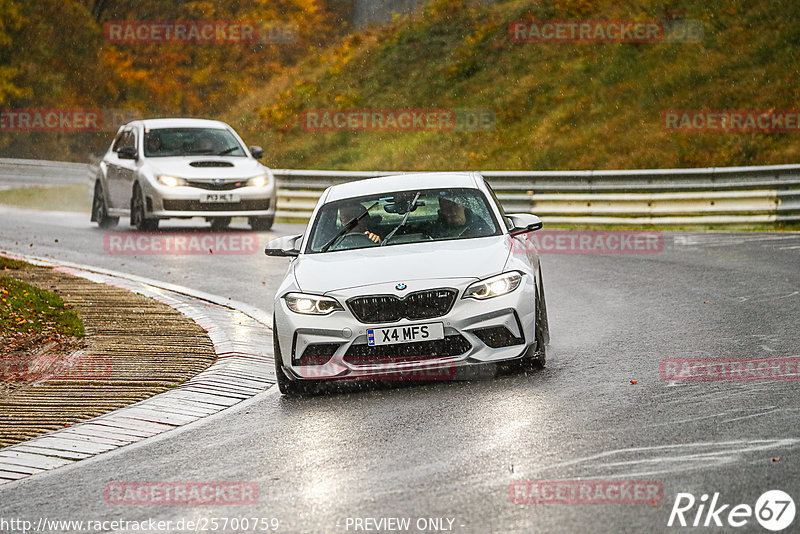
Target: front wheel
<point>543,302</point>
<point>100,210</point>
<point>536,356</point>
<point>260,224</point>
<point>139,218</point>
<point>219,224</point>
<point>286,385</point>
<point>538,359</point>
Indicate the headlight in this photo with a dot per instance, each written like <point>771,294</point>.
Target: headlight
<point>171,181</point>
<point>311,304</point>
<point>494,286</point>
<point>258,181</point>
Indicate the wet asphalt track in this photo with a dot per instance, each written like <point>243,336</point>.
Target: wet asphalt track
<point>450,450</point>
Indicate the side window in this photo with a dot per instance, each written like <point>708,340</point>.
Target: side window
<point>506,220</point>
<point>119,140</point>
<point>129,139</point>
<point>126,138</point>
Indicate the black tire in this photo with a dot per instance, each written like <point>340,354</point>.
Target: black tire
<point>260,224</point>
<point>286,385</point>
<point>536,356</point>
<point>139,219</point>
<point>538,359</point>
<point>219,224</point>
<point>543,318</point>
<point>100,210</point>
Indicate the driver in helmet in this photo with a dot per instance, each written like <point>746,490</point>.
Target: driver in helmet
<point>348,212</point>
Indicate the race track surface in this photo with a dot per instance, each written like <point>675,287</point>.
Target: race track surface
<point>451,450</point>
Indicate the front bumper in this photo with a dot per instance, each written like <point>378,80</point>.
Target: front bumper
<point>476,332</point>
<point>184,201</point>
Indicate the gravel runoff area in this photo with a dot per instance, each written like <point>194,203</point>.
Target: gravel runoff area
<point>135,347</point>
<point>143,339</point>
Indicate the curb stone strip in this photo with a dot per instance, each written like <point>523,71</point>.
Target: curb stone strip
<point>231,379</point>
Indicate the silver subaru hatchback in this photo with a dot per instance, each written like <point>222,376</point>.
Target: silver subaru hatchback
<point>182,168</point>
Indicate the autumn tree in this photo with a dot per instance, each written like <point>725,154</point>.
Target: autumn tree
<point>55,54</point>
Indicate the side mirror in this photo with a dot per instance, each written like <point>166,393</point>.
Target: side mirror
<point>284,246</point>
<point>257,152</point>
<point>127,152</point>
<point>524,222</point>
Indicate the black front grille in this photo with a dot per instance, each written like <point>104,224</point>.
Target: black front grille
<point>454,345</point>
<point>223,186</point>
<point>414,306</point>
<point>498,336</point>
<point>196,205</point>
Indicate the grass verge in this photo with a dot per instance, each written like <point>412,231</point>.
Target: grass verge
<point>9,264</point>
<point>62,198</point>
<point>26,310</point>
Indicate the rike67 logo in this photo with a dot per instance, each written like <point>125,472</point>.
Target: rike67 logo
<point>774,510</point>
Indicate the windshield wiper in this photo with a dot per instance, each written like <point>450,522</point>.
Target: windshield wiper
<point>227,151</point>
<point>346,228</point>
<point>405,218</point>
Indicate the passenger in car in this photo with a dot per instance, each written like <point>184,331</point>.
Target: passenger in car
<point>153,144</point>
<point>456,220</point>
<point>203,145</point>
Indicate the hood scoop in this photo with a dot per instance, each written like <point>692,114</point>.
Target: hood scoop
<point>211,164</point>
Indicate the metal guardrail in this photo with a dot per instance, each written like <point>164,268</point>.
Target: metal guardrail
<point>15,173</point>
<point>717,196</point>
<point>711,196</point>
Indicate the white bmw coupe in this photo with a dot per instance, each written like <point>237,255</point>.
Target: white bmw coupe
<point>416,275</point>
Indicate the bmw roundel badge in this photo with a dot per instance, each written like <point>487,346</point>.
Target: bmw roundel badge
<point>401,286</point>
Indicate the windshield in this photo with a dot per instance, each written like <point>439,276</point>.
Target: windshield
<point>163,142</point>
<point>395,218</point>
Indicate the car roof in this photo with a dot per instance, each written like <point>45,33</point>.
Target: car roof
<point>181,123</point>
<point>403,182</point>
